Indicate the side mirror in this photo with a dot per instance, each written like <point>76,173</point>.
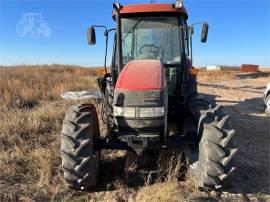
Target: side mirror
<point>91,36</point>
<point>204,32</point>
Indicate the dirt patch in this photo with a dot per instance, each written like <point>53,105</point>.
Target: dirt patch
<point>242,100</point>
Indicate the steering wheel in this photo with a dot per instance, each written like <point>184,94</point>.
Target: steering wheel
<point>151,46</point>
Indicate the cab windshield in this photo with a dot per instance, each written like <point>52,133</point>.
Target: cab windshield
<point>151,38</point>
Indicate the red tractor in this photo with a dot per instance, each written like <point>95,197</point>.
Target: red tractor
<point>150,101</point>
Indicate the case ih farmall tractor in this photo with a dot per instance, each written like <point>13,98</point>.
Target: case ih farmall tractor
<point>150,101</point>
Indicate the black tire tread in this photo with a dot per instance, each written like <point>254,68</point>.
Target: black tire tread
<point>214,150</point>
<point>214,135</point>
<point>80,127</point>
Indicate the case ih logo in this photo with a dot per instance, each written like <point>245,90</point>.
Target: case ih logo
<point>33,25</point>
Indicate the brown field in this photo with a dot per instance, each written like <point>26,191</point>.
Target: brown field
<point>31,114</point>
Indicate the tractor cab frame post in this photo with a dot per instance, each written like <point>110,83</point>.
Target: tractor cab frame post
<point>116,7</point>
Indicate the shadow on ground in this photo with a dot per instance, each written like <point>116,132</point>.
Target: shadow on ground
<point>241,88</point>
<point>252,75</point>
<point>111,173</point>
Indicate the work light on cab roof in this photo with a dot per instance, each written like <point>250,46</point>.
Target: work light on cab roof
<point>179,4</point>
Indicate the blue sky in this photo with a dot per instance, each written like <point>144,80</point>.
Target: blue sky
<point>239,31</point>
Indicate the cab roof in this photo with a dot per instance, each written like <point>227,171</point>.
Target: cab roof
<point>139,9</point>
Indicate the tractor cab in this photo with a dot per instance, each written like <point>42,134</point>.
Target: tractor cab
<point>155,32</point>
<point>152,32</point>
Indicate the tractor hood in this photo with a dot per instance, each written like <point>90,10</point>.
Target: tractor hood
<point>141,75</point>
<point>141,83</point>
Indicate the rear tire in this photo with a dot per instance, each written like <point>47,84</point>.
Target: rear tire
<point>80,162</point>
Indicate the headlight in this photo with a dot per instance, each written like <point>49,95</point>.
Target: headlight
<point>138,112</point>
<point>124,111</point>
<point>150,112</point>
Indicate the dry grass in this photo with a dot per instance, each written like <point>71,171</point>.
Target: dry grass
<point>30,122</point>
<point>29,148</point>
<point>215,75</point>
<point>28,85</point>
<point>31,115</point>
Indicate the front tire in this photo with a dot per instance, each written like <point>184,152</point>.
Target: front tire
<point>80,162</point>
<point>215,152</point>
<point>215,145</point>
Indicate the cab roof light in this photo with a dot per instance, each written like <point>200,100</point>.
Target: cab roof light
<point>179,4</point>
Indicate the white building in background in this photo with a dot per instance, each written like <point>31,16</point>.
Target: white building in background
<point>213,67</point>
<point>222,67</point>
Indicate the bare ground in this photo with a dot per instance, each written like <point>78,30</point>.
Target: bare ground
<point>242,100</point>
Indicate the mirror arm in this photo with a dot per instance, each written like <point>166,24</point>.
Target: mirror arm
<point>106,51</point>
<point>98,26</point>
<point>197,23</point>
<point>191,51</point>
<point>204,24</point>
<point>106,34</point>
<point>106,44</point>
<point>112,29</point>
<point>190,35</point>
